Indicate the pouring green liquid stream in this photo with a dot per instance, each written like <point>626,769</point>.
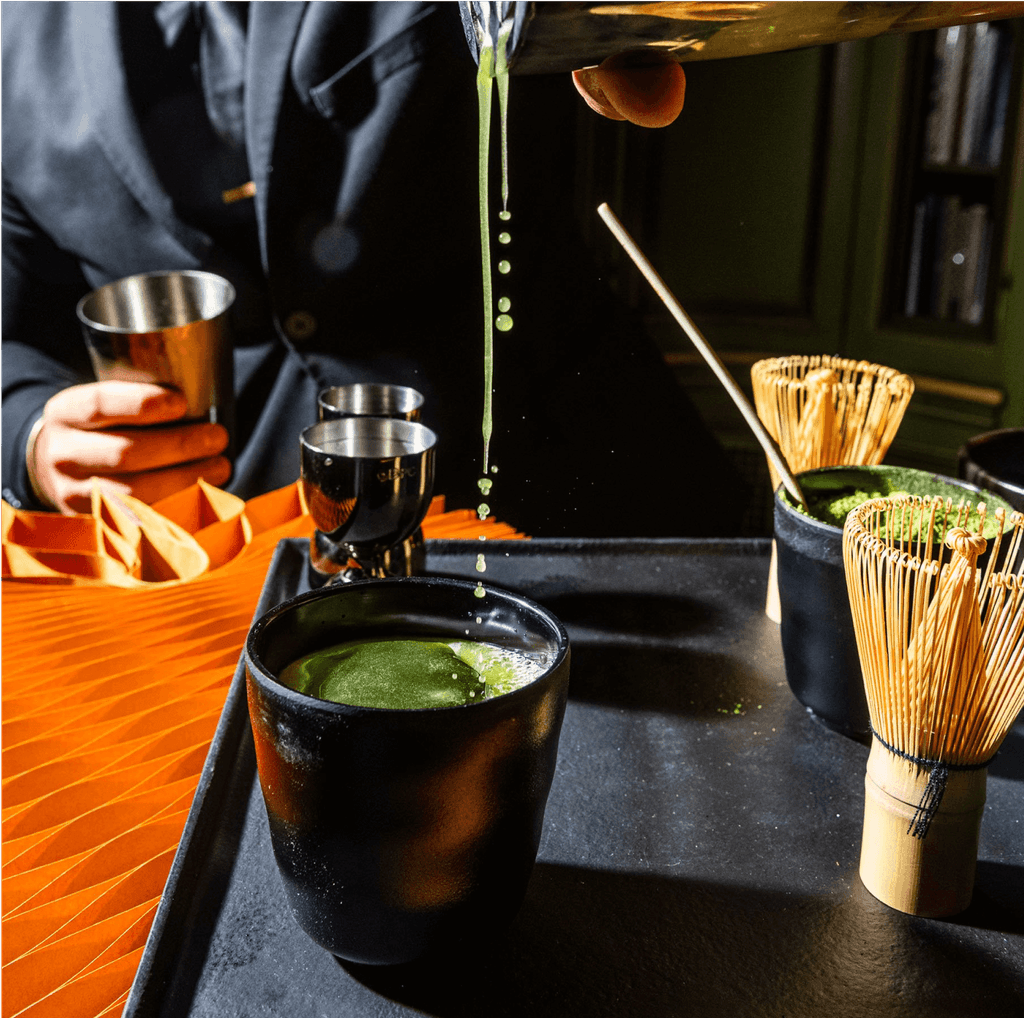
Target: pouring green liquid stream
<point>492,69</point>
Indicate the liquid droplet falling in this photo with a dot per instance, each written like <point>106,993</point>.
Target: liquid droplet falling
<point>505,215</point>
<point>483,510</point>
<point>504,304</point>
<point>504,267</point>
<point>485,484</point>
<point>479,590</point>
<point>481,564</point>
<point>503,323</point>
<point>504,238</point>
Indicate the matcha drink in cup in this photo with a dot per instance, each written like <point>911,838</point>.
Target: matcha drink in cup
<point>402,831</point>
<point>818,643</point>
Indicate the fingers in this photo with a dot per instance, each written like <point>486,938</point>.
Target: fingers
<point>647,89</point>
<point>588,84</point>
<point>124,434</point>
<point>112,404</point>
<point>82,453</point>
<point>76,493</point>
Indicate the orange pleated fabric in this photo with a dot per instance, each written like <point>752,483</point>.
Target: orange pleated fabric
<point>111,695</point>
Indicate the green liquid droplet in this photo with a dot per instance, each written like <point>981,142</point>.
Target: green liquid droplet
<point>479,590</point>
<point>505,215</point>
<point>504,238</point>
<point>483,510</point>
<point>484,484</point>
<point>503,323</point>
<point>494,469</point>
<point>504,267</point>
<point>504,304</point>
<point>481,564</point>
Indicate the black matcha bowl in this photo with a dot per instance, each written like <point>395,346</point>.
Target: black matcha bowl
<point>995,461</point>
<point>816,625</point>
<point>402,833</point>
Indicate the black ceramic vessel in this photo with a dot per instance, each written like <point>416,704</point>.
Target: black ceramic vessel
<point>995,461</point>
<point>816,625</point>
<point>399,833</point>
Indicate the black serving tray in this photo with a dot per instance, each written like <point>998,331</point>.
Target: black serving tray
<point>700,846</point>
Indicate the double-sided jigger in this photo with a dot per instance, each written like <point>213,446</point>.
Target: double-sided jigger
<point>368,399</point>
<point>367,482</point>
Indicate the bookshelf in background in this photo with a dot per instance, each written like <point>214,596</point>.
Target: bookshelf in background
<point>780,210</point>
<point>951,208</point>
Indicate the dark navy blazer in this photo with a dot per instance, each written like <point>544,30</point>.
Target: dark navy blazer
<point>360,122</point>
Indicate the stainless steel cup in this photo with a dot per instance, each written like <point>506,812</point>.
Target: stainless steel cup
<point>370,399</point>
<point>170,328</point>
<point>367,482</point>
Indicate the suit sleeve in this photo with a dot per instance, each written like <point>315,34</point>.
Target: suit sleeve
<point>42,347</point>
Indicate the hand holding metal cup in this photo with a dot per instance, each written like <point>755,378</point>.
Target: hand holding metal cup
<point>171,328</point>
<point>367,482</point>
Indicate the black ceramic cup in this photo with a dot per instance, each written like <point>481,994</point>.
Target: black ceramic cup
<point>400,833</point>
<point>995,461</point>
<point>819,646</point>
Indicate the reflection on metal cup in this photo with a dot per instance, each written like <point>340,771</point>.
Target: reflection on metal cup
<point>329,561</point>
<point>367,482</point>
<point>170,328</point>
<point>370,399</point>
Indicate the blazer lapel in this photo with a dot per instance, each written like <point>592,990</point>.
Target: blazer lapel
<point>273,27</point>
<point>100,69</point>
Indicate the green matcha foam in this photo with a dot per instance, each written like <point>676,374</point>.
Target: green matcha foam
<point>833,492</point>
<point>410,674</point>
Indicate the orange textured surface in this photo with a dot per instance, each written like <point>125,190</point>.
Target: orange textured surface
<point>111,696</point>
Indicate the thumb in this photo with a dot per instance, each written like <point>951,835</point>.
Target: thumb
<point>646,89</point>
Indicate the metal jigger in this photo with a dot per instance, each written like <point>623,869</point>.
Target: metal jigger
<point>375,399</point>
<point>367,482</point>
<point>370,399</point>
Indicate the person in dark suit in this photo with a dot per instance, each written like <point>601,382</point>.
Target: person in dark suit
<point>321,157</point>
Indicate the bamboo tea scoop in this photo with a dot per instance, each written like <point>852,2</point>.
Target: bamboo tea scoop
<point>770,446</point>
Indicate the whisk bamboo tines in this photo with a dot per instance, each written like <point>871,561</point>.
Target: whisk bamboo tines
<point>941,646</point>
<point>827,411</point>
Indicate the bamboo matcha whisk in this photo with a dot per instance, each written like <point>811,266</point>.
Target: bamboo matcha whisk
<point>827,411</point>
<point>941,645</point>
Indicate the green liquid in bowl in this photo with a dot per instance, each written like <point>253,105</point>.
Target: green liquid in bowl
<point>833,492</point>
<point>409,674</point>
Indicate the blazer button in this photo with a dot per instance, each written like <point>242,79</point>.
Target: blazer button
<point>299,325</point>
